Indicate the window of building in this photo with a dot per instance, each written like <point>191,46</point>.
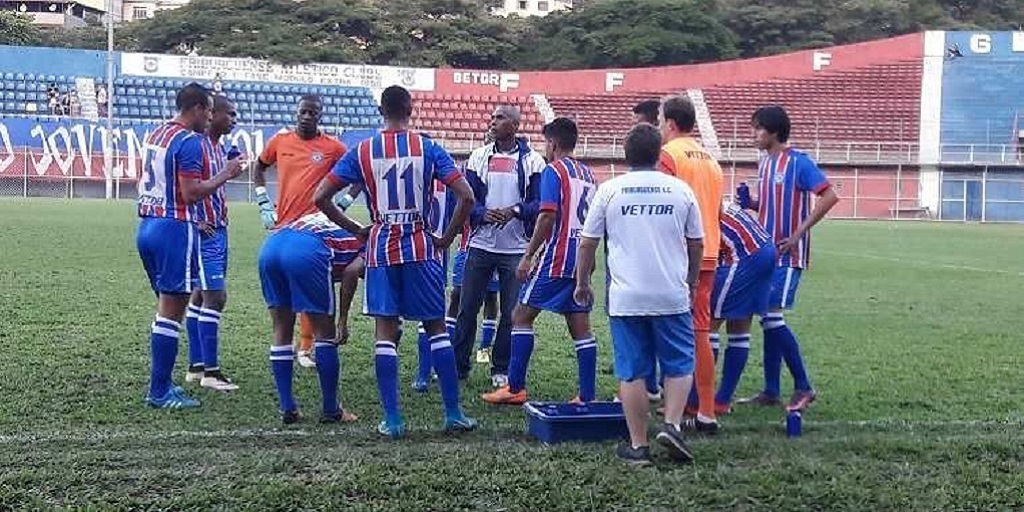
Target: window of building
<point>542,6</point>
<point>139,13</point>
<point>522,5</point>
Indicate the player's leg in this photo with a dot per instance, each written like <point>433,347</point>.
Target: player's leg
<point>168,251</point>
<point>349,281</point>
<point>501,352</point>
<point>422,298</point>
<point>736,353</point>
<point>383,289</point>
<point>274,284</point>
<point>674,341</point>
<point>634,353</point>
<point>306,342</point>
<point>195,341</point>
<point>514,393</point>
<point>789,346</point>
<point>458,269</point>
<point>477,272</point>
<point>489,326</point>
<point>704,374</point>
<point>328,368</point>
<point>586,353</point>
<point>213,263</point>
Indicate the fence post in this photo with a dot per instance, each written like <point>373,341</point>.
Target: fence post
<point>856,190</point>
<point>984,190</point>
<point>899,188</point>
<point>24,173</point>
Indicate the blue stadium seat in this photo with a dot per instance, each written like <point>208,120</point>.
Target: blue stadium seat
<point>30,77</point>
<point>40,87</point>
<point>61,79</point>
<point>247,87</point>
<point>20,96</point>
<point>159,84</point>
<point>151,93</point>
<point>8,76</point>
<point>20,86</point>
<point>20,77</point>
<point>133,101</point>
<point>8,95</point>
<point>133,112</point>
<point>10,107</point>
<point>346,121</point>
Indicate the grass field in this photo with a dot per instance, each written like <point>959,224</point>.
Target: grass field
<point>910,329</point>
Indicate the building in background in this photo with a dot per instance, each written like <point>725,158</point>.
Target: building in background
<point>142,9</point>
<point>535,7</point>
<point>62,13</point>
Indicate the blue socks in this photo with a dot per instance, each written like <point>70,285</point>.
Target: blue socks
<point>790,349</point>
<point>443,356</point>
<point>385,360</point>
<point>736,354</point>
<point>586,363</point>
<point>449,325</point>
<point>328,369</point>
<point>195,343</point>
<point>281,359</point>
<point>771,324</point>
<point>490,326</point>
<point>522,349</point>
<point>163,350</point>
<point>209,332</point>
<point>423,350</point>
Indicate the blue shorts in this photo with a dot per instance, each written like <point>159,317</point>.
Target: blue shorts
<point>551,294</point>
<point>638,342</point>
<point>784,285</point>
<point>295,273</point>
<point>413,291</point>
<point>213,260</point>
<point>459,267</point>
<point>742,290</point>
<point>169,250</point>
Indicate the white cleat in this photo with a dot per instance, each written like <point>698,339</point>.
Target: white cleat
<point>305,361</point>
<point>195,374</point>
<point>499,381</point>
<point>483,356</point>
<point>218,382</point>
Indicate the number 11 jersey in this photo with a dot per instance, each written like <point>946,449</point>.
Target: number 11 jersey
<point>398,170</point>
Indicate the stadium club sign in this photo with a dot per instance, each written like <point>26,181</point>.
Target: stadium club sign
<point>255,70</point>
<point>75,147</point>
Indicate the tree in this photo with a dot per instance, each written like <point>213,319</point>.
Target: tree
<point>17,30</point>
<point>629,34</point>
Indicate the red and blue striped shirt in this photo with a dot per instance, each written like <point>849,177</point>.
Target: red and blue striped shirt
<point>566,188</point>
<point>214,208</point>
<point>398,170</point>
<point>742,236</point>
<point>172,152</point>
<point>786,182</point>
<point>344,246</point>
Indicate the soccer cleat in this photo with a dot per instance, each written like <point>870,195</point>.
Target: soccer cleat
<point>483,356</point>
<point>499,380</point>
<point>505,396</point>
<point>175,398</point>
<point>699,426</point>
<point>760,399</point>
<point>217,381</point>
<point>722,409</point>
<point>394,430</point>
<point>290,417</point>
<point>671,438</point>
<point>460,423</point>
<point>634,456</point>
<point>654,397</point>
<point>420,386</point>
<point>801,399</point>
<point>690,410</point>
<point>341,416</point>
<point>576,400</point>
<point>305,360</point>
<point>195,373</point>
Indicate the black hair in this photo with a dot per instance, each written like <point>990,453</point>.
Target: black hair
<point>191,96</point>
<point>649,110</point>
<point>774,120</point>
<point>643,146</point>
<point>312,98</point>
<point>220,102</point>
<point>396,103</point>
<point>563,131</point>
<point>679,110</point>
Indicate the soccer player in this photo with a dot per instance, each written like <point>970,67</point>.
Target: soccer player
<point>684,158</point>
<point>207,304</point>
<point>646,112</point>
<point>652,230</point>
<point>404,277</point>
<point>787,179</point>
<point>303,157</point>
<point>743,283</point>
<point>295,265</point>
<point>170,186</point>
<point>567,187</point>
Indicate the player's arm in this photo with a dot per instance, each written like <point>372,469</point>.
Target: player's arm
<point>590,237</point>
<point>827,199</point>
<point>529,207</point>
<point>190,162</point>
<point>345,171</point>
<point>346,292</point>
<point>478,215</point>
<point>694,236</point>
<point>810,178</point>
<point>349,196</point>
<point>258,170</point>
<point>547,204</point>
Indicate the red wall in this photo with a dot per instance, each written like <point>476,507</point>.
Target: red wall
<point>452,81</point>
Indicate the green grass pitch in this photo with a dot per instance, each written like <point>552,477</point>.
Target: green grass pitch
<point>910,331</point>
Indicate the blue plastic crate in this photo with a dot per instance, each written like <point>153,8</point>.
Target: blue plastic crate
<point>555,422</point>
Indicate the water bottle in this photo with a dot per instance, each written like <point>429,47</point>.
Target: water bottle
<point>234,153</point>
<point>794,425</point>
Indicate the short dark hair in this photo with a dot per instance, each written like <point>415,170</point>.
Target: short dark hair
<point>774,120</point>
<point>643,146</point>
<point>396,103</point>
<point>563,131</point>
<point>648,109</point>
<point>221,102</point>
<point>679,109</point>
<point>191,96</point>
<point>312,98</point>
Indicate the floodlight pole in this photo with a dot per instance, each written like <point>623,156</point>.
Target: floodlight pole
<point>109,146</point>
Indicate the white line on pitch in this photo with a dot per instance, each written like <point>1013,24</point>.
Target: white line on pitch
<point>924,263</point>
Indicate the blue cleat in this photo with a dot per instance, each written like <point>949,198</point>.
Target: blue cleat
<point>175,398</point>
<point>420,386</point>
<point>392,429</point>
<point>459,423</point>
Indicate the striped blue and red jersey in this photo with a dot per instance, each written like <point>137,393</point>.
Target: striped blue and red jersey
<point>398,170</point>
<point>742,236</point>
<point>172,153</point>
<point>214,208</point>
<point>566,188</point>
<point>344,246</point>
<point>785,185</point>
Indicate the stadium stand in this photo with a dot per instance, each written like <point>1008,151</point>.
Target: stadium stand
<point>602,115</point>
<point>467,117</point>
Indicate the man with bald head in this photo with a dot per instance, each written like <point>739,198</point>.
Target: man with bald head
<point>505,176</point>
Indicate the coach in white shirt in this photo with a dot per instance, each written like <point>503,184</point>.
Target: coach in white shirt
<point>652,230</point>
<point>505,177</point>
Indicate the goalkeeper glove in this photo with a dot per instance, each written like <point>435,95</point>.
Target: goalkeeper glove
<point>267,213</point>
<point>743,196</point>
